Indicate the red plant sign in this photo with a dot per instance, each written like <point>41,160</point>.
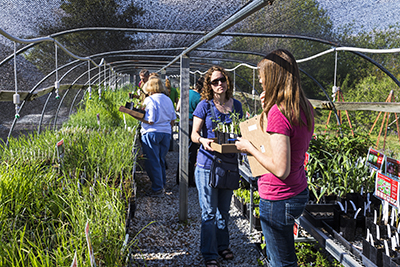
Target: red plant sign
<point>392,167</point>
<point>375,159</point>
<point>306,159</point>
<point>387,189</point>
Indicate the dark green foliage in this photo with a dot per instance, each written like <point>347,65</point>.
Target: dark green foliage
<point>311,254</point>
<point>337,164</point>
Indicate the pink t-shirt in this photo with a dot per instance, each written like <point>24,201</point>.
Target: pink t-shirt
<point>271,187</point>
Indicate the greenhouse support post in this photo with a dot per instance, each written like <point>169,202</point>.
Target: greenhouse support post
<point>184,136</point>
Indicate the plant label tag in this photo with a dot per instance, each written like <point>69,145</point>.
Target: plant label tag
<point>393,243</point>
<point>388,231</point>
<point>60,149</point>
<point>392,216</point>
<point>89,243</point>
<point>386,248</point>
<point>367,237</point>
<point>75,261</point>
<point>378,233</point>
<point>306,160</point>
<point>296,230</point>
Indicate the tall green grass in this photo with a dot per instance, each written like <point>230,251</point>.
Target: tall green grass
<point>45,201</point>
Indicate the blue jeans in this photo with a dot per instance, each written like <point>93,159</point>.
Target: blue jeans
<point>277,221</point>
<point>155,148</point>
<point>215,205</point>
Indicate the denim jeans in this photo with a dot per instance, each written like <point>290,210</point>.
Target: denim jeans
<point>277,221</point>
<point>155,148</point>
<point>215,205</point>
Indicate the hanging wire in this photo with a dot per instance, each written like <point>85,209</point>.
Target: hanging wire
<point>90,87</point>
<point>100,77</point>
<point>253,92</point>
<point>56,83</point>
<point>105,77</point>
<point>335,89</point>
<point>234,81</point>
<point>16,97</point>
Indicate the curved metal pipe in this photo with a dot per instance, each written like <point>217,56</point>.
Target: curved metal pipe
<point>30,93</point>
<point>45,105</point>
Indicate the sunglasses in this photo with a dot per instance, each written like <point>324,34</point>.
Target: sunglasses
<point>216,81</point>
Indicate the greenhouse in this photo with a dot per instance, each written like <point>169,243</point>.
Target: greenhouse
<point>74,176</point>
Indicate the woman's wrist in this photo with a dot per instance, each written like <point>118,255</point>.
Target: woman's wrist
<point>198,140</point>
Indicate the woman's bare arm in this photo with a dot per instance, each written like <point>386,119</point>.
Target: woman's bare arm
<point>196,137</point>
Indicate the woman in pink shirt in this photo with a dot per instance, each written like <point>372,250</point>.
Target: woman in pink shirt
<point>284,190</point>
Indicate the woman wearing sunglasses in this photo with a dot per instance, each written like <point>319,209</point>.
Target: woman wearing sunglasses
<point>283,191</point>
<point>215,203</point>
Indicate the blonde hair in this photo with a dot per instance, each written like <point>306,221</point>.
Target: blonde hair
<point>281,84</point>
<point>154,85</point>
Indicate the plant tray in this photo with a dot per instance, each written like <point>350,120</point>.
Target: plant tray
<point>316,213</point>
<point>224,148</point>
<point>134,113</point>
<point>256,223</point>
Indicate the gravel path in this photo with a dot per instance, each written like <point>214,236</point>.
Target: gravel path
<point>163,241</point>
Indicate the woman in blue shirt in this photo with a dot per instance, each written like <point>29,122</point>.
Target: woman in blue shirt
<point>215,203</point>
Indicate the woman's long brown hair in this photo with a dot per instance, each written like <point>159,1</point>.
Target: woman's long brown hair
<point>281,84</point>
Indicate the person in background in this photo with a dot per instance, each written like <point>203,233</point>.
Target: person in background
<point>194,99</point>
<point>155,133</point>
<point>173,95</point>
<point>144,77</point>
<point>283,191</point>
<point>217,94</point>
<point>172,92</point>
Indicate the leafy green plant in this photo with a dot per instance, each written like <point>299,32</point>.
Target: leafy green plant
<point>310,254</point>
<point>337,164</point>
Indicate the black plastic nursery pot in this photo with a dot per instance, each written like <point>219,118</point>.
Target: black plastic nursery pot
<point>369,224</point>
<point>131,106</point>
<point>375,254</point>
<point>222,138</point>
<point>317,213</point>
<point>239,203</point>
<point>256,223</point>
<point>348,226</point>
<point>391,261</point>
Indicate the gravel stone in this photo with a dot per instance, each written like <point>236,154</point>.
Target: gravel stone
<point>164,241</point>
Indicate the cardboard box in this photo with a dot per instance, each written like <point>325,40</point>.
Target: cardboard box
<point>224,148</point>
<point>252,131</point>
<point>131,112</point>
